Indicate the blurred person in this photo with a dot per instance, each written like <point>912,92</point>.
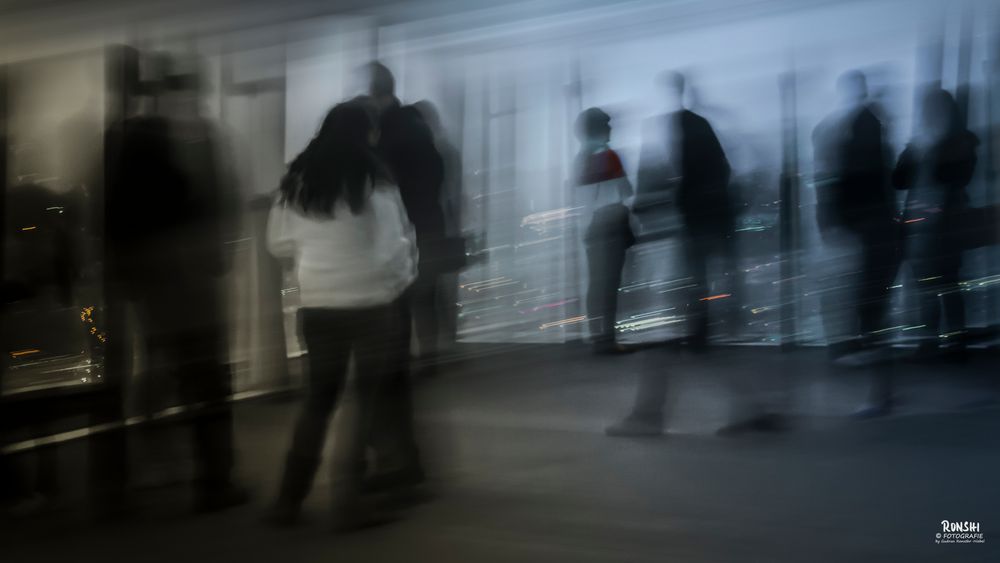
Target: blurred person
<point>169,212</point>
<point>342,221</point>
<point>406,145</point>
<point>598,193</point>
<point>935,168</point>
<point>453,206</point>
<point>682,153</point>
<point>855,212</point>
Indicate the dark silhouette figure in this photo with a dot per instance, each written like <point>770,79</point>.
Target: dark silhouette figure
<point>598,194</point>
<point>453,205</point>
<point>855,212</point>
<point>935,168</point>
<point>344,224</point>
<point>169,212</point>
<point>406,144</point>
<point>683,154</point>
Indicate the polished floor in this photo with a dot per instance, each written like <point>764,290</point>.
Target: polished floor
<point>522,471</point>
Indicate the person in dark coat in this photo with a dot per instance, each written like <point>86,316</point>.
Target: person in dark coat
<point>169,212</point>
<point>406,144</point>
<point>683,154</point>
<point>855,213</point>
<point>935,169</point>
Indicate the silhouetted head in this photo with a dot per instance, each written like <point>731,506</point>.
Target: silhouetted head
<point>339,162</point>
<point>181,83</point>
<point>430,114</point>
<point>939,113</point>
<point>381,84</point>
<point>852,88</point>
<point>593,127</point>
<point>673,85</point>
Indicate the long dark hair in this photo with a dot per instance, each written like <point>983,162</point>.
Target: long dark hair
<point>337,163</point>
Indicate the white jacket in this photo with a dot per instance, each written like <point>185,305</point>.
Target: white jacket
<point>348,261</point>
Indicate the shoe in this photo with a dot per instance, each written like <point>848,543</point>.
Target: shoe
<point>875,410</point>
<point>762,423</point>
<point>697,344</point>
<point>359,515</point>
<point>926,352</point>
<point>609,348</point>
<point>634,428</point>
<point>404,498</point>
<point>284,514</point>
<point>391,480</point>
<point>229,496</point>
<point>114,507</point>
<point>864,358</point>
<point>956,354</point>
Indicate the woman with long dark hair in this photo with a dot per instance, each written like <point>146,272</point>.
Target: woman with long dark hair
<point>935,168</point>
<point>341,219</point>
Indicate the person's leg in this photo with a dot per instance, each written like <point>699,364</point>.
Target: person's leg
<point>107,455</point>
<point>393,437</point>
<point>618,252</point>
<point>839,291</point>
<point>327,335</point>
<point>607,250</point>
<point>372,361</point>
<point>878,273</point>
<point>447,299</point>
<point>598,286</point>
<point>696,259</point>
<point>205,380</point>
<point>953,304</point>
<point>424,303</point>
<point>924,272</point>
<point>734,276</point>
<point>647,415</point>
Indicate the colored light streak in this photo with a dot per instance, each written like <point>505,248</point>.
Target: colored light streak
<point>19,353</point>
<point>564,322</point>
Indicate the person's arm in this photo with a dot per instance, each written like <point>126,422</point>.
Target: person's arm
<point>653,176</point>
<point>281,242</point>
<point>958,163</point>
<point>720,170</point>
<point>622,186</point>
<point>419,170</point>
<point>905,172</point>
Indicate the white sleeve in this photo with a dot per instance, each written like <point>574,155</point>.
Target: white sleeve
<point>280,240</point>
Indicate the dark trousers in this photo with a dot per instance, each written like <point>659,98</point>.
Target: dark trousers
<point>699,248</point>
<point>936,272</point>
<point>866,263</point>
<point>332,336</point>
<point>185,339</point>
<point>425,306</point>
<point>607,242</point>
<point>879,265</point>
<point>394,436</point>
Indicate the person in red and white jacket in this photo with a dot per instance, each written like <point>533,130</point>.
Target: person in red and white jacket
<point>598,194</point>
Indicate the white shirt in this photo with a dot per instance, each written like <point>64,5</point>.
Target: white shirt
<point>348,261</point>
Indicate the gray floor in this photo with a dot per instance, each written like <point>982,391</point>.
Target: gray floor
<point>523,472</point>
